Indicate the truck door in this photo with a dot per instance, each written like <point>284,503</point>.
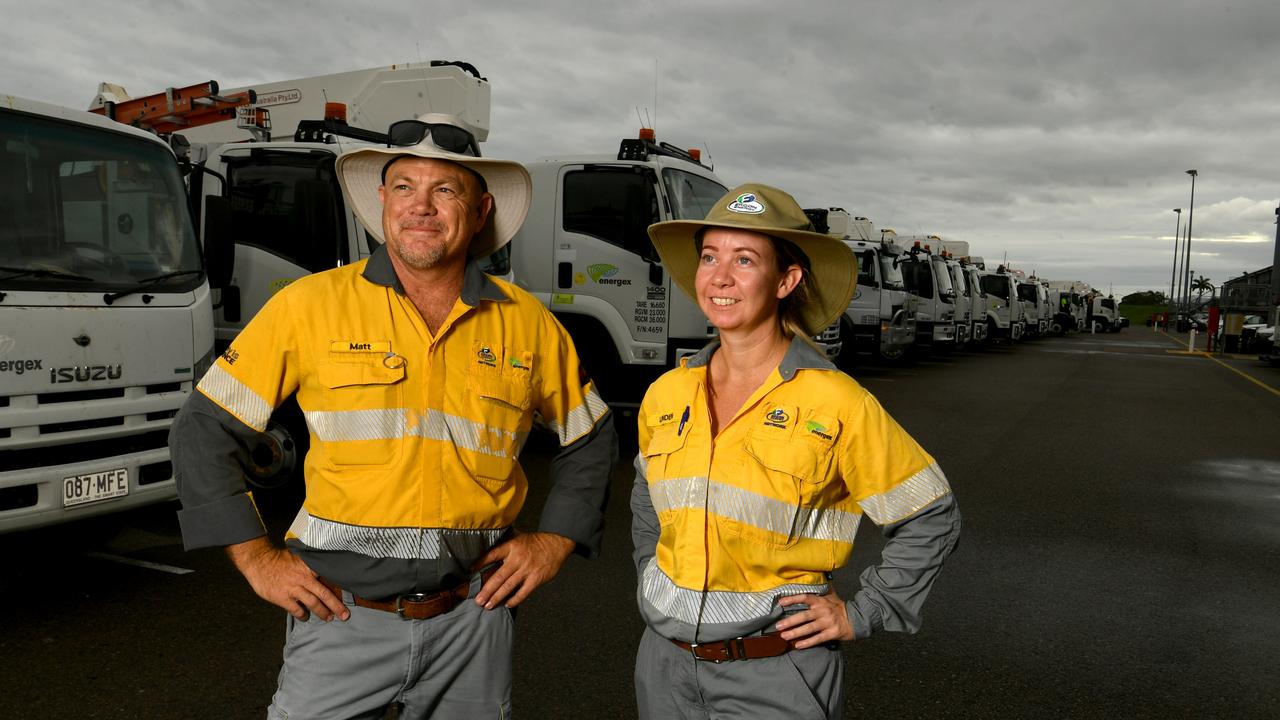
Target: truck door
<point>602,249</point>
<point>290,221</point>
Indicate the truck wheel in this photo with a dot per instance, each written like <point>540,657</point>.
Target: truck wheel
<point>895,356</point>
<point>1056,328</point>
<point>277,455</point>
<point>1099,326</point>
<point>848,357</point>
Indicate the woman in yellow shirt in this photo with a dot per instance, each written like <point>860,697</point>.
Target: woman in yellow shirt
<point>757,461</point>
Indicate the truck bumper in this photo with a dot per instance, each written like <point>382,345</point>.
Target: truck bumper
<point>32,497</point>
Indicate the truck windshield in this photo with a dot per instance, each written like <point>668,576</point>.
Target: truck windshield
<point>892,273</point>
<point>691,196</point>
<point>997,285</point>
<point>1027,292</point>
<point>918,277</point>
<point>85,209</point>
<point>957,281</point>
<point>945,290</point>
<point>867,268</point>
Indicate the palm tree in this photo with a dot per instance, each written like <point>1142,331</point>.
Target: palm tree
<point>1202,285</point>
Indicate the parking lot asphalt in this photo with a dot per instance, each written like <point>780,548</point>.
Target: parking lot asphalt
<point>1120,558</point>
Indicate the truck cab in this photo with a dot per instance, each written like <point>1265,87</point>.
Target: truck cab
<point>105,314</point>
<point>880,320</point>
<point>927,276</point>
<point>1004,316</point>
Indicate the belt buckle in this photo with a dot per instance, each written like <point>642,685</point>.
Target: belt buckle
<point>734,649</point>
<point>411,598</point>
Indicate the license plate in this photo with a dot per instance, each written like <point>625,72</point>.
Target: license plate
<point>92,487</point>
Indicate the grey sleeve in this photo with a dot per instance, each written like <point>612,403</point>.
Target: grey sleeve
<point>645,529</point>
<point>580,477</point>
<point>209,449</point>
<point>893,592</point>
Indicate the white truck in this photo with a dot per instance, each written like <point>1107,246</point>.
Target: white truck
<point>266,192</point>
<point>1069,299</point>
<point>105,314</point>
<point>1104,314</point>
<point>927,275</point>
<point>881,318</point>
<point>1004,315</point>
<point>958,250</point>
<point>584,251</point>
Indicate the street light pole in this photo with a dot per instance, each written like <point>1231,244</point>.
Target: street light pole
<point>1191,215</point>
<point>1177,233</point>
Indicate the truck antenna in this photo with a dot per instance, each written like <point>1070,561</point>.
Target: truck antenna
<point>639,119</point>
<point>710,163</point>
<point>655,95</point>
<point>426,86</point>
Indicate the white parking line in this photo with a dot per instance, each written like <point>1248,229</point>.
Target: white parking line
<point>139,563</point>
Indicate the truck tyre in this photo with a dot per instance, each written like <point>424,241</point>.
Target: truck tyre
<point>848,357</point>
<point>1057,328</point>
<point>1099,326</point>
<point>275,471</point>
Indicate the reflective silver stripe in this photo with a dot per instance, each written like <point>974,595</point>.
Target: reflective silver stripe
<point>676,493</point>
<point>397,423</point>
<point>907,497</point>
<point>756,510</point>
<point>338,425</point>
<point>581,418</point>
<point>721,606</point>
<point>225,389</point>
<point>403,543</point>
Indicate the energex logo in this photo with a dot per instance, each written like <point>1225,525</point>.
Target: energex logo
<point>84,373</point>
<point>17,367</point>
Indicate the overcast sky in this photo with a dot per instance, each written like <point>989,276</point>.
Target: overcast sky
<point>1055,132</point>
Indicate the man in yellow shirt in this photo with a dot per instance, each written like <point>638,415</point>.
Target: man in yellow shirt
<point>419,377</point>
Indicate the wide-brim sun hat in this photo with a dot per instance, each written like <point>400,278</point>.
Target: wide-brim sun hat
<point>833,268</point>
<point>360,175</point>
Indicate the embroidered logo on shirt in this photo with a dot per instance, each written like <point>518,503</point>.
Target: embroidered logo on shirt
<point>777,418</point>
<point>515,363</point>
<point>817,429</point>
<point>487,357</point>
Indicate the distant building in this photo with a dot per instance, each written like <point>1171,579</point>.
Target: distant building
<point>1250,292</point>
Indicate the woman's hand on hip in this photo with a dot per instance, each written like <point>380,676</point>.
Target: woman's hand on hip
<point>826,619</point>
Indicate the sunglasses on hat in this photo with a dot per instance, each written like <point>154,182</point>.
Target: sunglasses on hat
<point>451,138</point>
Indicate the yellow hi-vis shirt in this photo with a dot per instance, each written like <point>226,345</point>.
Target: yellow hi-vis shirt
<point>414,436</point>
<point>774,505</point>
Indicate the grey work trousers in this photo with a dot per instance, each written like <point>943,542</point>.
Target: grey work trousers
<point>800,685</point>
<point>456,665</point>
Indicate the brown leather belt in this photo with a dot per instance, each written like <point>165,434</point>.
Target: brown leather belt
<point>745,648</point>
<point>417,606</point>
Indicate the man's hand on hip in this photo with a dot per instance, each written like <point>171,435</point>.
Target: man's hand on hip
<point>527,561</point>
<point>281,578</point>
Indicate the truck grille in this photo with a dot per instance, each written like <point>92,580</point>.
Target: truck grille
<point>80,452</point>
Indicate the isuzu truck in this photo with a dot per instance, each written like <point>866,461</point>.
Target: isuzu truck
<point>105,314</point>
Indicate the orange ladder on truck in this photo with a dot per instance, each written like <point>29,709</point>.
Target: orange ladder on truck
<point>176,109</point>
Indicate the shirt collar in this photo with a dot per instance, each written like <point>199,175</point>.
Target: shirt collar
<point>476,285</point>
<point>800,355</point>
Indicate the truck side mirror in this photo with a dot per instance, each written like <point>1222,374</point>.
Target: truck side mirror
<point>655,273</point>
<point>219,242</point>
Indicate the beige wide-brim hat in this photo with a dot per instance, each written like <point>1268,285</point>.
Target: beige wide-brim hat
<point>360,175</point>
<point>833,268</point>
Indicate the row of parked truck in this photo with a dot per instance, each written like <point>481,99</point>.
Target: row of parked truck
<point>137,240</point>
<point>920,294</point>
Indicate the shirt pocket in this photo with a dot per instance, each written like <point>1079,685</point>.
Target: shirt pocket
<point>364,421</point>
<point>670,491</point>
<point>489,438</point>
<point>781,477</point>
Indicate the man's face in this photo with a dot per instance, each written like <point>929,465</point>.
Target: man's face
<point>430,211</point>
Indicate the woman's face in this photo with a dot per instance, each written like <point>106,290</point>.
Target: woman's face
<point>738,282</point>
